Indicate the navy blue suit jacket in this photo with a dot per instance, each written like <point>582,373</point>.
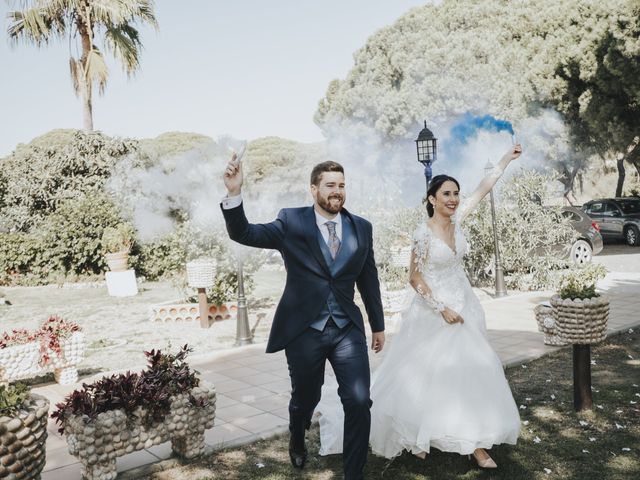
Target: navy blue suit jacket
<point>309,278</point>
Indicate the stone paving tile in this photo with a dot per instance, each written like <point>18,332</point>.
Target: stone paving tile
<point>240,410</point>
<point>273,402</point>
<point>262,378</point>
<point>240,372</point>
<point>281,386</point>
<point>248,395</point>
<point>259,423</point>
<point>135,459</point>
<point>224,401</point>
<point>214,377</point>
<point>58,457</point>
<point>282,412</point>
<point>230,386</point>
<point>218,436</point>
<point>162,451</point>
<point>68,472</point>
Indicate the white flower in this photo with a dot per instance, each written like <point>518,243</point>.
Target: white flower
<point>528,399</point>
<point>584,450</point>
<point>548,380</point>
<point>600,407</point>
<point>547,471</point>
<point>635,385</point>
<point>630,357</point>
<point>632,402</point>
<point>536,439</point>
<point>593,362</point>
<point>553,397</point>
<point>626,449</point>
<point>592,439</point>
<point>525,422</point>
<point>618,426</point>
<point>618,411</point>
<point>637,394</point>
<point>631,330</point>
<point>523,407</point>
<point>523,366</point>
<point>583,423</point>
<point>260,465</point>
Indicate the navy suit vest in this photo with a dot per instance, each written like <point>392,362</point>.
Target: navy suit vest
<point>348,246</point>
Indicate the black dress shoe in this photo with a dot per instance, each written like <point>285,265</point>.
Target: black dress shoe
<point>298,455</point>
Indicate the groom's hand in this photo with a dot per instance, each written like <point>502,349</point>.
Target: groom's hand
<point>377,341</point>
<point>233,176</point>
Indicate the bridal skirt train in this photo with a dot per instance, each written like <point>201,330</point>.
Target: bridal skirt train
<point>439,385</point>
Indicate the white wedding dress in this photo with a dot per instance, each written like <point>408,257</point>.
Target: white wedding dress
<point>439,385</point>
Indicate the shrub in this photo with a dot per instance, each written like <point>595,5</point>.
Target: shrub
<point>118,238</point>
<point>580,282</point>
<point>52,169</point>
<point>167,375</point>
<point>12,397</point>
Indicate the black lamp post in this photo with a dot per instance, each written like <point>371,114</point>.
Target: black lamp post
<point>427,152</point>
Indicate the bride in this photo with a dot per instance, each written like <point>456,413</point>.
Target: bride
<point>440,385</point>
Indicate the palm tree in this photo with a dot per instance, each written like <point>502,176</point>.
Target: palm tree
<point>83,21</point>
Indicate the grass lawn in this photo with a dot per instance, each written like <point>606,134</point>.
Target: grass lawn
<point>555,441</point>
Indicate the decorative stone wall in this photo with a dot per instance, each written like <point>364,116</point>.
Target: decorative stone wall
<point>23,438</point>
<point>23,361</point>
<point>581,321</point>
<point>547,325</point>
<point>190,312</point>
<point>98,443</point>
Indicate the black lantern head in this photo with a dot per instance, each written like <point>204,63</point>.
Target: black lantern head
<point>426,146</point>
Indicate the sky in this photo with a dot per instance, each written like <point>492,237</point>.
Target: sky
<point>246,68</point>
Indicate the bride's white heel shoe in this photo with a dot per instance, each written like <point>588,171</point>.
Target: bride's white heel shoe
<point>484,462</point>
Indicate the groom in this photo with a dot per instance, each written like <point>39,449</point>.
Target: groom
<point>326,252</point>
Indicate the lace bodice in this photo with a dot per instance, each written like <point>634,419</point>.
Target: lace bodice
<point>442,267</point>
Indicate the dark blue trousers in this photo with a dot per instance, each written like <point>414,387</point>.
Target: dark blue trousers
<point>346,349</point>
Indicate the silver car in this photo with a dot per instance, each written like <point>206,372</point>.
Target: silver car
<point>619,218</point>
<point>589,242</point>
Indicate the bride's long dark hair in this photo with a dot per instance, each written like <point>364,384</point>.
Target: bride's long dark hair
<point>434,185</point>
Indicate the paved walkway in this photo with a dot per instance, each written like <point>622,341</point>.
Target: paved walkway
<point>253,387</point>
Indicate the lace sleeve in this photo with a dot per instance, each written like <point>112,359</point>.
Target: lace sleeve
<point>420,249</point>
<point>468,205</point>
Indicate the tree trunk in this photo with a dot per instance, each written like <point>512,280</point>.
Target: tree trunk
<point>84,28</point>
<point>621,175</point>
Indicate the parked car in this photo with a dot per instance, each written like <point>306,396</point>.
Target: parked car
<point>619,218</point>
<point>589,243</point>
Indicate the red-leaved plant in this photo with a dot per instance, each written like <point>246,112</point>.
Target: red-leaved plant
<point>151,389</point>
<point>18,336</point>
<point>51,332</point>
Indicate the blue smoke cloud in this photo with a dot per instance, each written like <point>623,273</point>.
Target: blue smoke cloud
<point>469,125</point>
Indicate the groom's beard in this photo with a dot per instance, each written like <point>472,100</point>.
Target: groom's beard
<point>332,204</point>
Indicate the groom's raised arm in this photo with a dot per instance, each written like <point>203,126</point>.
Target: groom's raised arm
<point>369,287</point>
<point>260,235</point>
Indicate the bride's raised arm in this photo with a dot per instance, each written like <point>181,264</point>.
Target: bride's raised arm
<point>488,182</point>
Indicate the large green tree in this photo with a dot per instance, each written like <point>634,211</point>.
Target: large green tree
<point>84,22</point>
<point>514,60</point>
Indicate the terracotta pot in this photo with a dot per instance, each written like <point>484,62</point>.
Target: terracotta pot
<point>118,261</point>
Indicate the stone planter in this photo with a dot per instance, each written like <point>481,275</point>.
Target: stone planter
<point>117,261</point>
<point>64,365</point>
<point>98,443</point>
<point>547,324</point>
<point>189,312</point>
<point>23,361</point>
<point>19,361</point>
<point>23,438</point>
<point>581,322</point>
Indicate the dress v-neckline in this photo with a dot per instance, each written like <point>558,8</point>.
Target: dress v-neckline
<point>453,250</point>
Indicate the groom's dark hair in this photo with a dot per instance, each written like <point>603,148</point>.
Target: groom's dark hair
<point>320,168</point>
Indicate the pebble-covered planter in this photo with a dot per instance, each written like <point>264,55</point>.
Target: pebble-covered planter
<point>23,361</point>
<point>65,365</point>
<point>19,361</point>
<point>98,443</point>
<point>581,322</point>
<point>547,324</point>
<point>22,440</point>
